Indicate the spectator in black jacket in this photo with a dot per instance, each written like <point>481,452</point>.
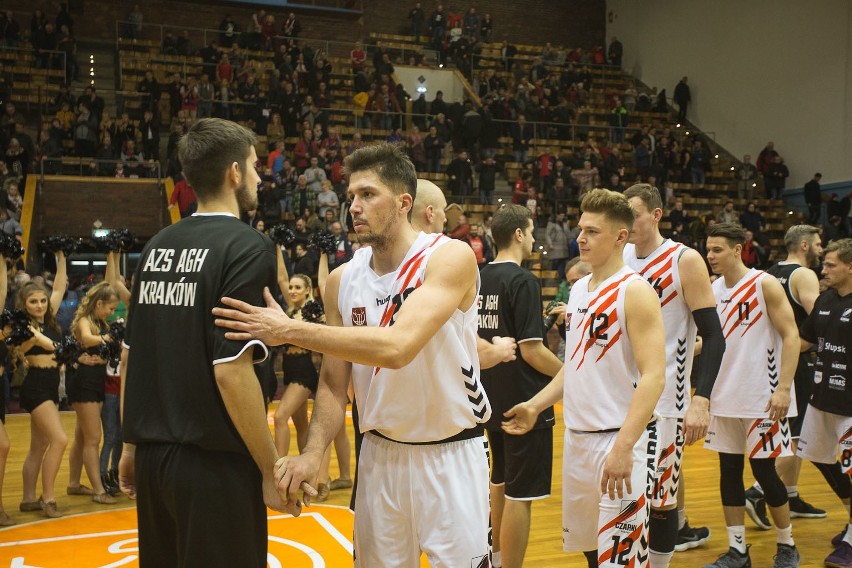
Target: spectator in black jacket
<point>460,175</point>
<point>487,171</point>
<point>776,178</point>
<point>813,197</point>
<point>682,97</point>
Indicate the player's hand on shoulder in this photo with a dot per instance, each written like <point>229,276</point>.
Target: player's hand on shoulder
<point>520,419</point>
<point>245,322</point>
<point>507,346</point>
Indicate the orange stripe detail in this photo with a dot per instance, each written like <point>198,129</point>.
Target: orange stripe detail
<point>612,342</point>
<point>664,256</point>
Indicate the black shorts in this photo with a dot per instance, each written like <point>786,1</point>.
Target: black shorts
<point>198,507</point>
<point>41,384</point>
<point>300,370</point>
<point>803,384</point>
<point>86,384</point>
<point>524,464</point>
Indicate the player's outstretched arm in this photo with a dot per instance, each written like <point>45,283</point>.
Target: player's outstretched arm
<point>521,418</point>
<point>450,284</point>
<point>299,473</point>
<point>498,350</point>
<point>644,323</point>
<point>698,295</point>
<point>60,282</point>
<point>113,277</point>
<point>243,399</point>
<point>781,315</point>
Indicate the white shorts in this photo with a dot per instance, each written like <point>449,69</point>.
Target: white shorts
<point>422,498</point>
<point>667,483</point>
<point>757,438</point>
<point>617,529</point>
<point>822,433</point>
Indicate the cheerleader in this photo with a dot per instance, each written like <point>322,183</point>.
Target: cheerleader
<point>40,391</point>
<point>85,388</point>
<point>5,520</point>
<point>300,374</point>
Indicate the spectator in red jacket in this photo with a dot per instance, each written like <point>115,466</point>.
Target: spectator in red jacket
<point>184,197</point>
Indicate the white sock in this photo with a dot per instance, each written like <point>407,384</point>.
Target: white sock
<point>758,487</point>
<point>736,538</point>
<point>847,538</point>
<point>681,518</point>
<point>660,559</point>
<point>792,490</point>
<point>785,536</point>
<point>497,559</point>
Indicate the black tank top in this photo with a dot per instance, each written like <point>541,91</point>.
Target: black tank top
<point>51,334</point>
<point>784,272</point>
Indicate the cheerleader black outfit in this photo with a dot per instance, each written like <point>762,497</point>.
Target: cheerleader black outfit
<point>298,367</point>
<point>41,383</point>
<point>86,383</point>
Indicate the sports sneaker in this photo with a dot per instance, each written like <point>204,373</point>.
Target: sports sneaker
<point>732,559</point>
<point>755,506</point>
<point>786,557</point>
<point>841,557</point>
<point>691,537</point>
<point>799,508</point>
<point>838,538</point>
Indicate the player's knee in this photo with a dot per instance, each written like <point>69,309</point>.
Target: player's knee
<point>731,486</point>
<point>839,481</point>
<point>773,488</point>
<point>663,530</point>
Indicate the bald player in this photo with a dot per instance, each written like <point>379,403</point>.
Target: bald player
<point>428,215</point>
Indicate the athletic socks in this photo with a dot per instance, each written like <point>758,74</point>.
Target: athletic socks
<point>785,536</point>
<point>847,538</point>
<point>736,538</point>
<point>792,490</point>
<point>497,559</point>
<point>681,518</point>
<point>660,560</point>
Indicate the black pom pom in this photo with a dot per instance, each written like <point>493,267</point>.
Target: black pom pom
<point>116,241</point>
<point>312,311</point>
<point>64,243</point>
<point>67,350</point>
<point>281,234</point>
<point>10,247</point>
<point>324,242</point>
<point>5,318</point>
<point>21,332</point>
<point>116,331</point>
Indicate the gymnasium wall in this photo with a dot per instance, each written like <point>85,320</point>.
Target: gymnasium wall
<point>760,70</point>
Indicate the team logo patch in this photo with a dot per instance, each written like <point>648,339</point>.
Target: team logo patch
<point>629,509</point>
<point>359,317</point>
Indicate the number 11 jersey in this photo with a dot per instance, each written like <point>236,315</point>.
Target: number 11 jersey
<point>751,365</point>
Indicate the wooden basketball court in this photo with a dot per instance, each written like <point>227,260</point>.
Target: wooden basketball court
<point>104,536</point>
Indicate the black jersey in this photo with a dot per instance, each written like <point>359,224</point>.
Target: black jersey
<point>829,328</point>
<point>510,306</point>
<point>171,394</point>
<point>784,272</point>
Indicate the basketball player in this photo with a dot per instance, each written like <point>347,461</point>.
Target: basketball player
<point>828,421</point>
<point>402,320</point>
<point>510,304</point>
<point>751,399</point>
<point>804,249</point>
<point>679,277</point>
<point>428,214</point>
<point>198,453</point>
<point>613,376</point>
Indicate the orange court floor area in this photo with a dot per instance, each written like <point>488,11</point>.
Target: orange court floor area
<point>104,536</point>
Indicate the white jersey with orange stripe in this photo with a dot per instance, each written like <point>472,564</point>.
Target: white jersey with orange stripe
<point>751,365</point>
<point>600,370</point>
<point>660,269</point>
<point>439,393</point>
